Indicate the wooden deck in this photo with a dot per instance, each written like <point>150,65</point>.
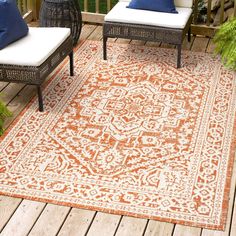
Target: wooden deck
<point>23,217</point>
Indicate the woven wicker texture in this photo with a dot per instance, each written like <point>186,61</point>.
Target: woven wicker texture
<point>62,13</point>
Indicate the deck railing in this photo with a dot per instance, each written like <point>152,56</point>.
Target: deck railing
<point>214,16</point>
<point>93,11</point>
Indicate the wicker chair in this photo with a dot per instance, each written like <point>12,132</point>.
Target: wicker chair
<point>123,22</point>
<point>31,59</point>
<point>62,13</point>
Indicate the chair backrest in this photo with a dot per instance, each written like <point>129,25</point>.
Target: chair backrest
<point>178,3</point>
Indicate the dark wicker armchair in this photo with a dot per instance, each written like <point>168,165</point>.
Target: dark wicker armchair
<point>31,59</point>
<point>123,22</point>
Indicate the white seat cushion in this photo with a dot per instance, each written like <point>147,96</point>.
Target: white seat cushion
<point>35,48</point>
<point>120,13</point>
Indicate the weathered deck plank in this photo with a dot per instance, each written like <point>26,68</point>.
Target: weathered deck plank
<point>153,44</point>
<point>86,31</point>
<point>23,219</point>
<point>124,41</point>
<point>50,221</point>
<point>30,217</point>
<point>19,102</point>
<point>104,225</point>
<point>3,85</point>
<point>181,230</point>
<point>131,226</point>
<point>96,34</point>
<point>77,223</point>
<point>7,207</point>
<point>137,42</point>
<point>187,45</point>
<point>200,44</point>
<point>155,228</point>
<point>210,47</point>
<point>10,91</point>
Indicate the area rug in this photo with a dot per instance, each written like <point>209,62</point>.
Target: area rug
<point>132,135</point>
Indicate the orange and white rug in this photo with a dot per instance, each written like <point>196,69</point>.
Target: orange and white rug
<point>132,135</point>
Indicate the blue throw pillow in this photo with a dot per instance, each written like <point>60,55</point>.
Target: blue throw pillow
<point>154,5</point>
<point>12,25</point>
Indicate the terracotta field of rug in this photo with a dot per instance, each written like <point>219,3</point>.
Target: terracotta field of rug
<point>132,135</point>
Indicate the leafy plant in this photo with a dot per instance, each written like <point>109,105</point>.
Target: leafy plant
<point>225,40</point>
<point>4,113</point>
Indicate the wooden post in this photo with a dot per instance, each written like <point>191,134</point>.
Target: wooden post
<point>109,5</point>
<point>195,12</point>
<point>97,6</point>
<point>208,12</point>
<point>86,5</point>
<point>222,5</point>
<point>235,8</point>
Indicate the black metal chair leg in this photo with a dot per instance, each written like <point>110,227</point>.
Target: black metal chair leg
<point>71,63</point>
<point>104,48</point>
<point>179,55</point>
<point>189,34</point>
<point>40,98</point>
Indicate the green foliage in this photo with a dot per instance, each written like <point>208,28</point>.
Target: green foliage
<point>225,40</point>
<point>4,113</point>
